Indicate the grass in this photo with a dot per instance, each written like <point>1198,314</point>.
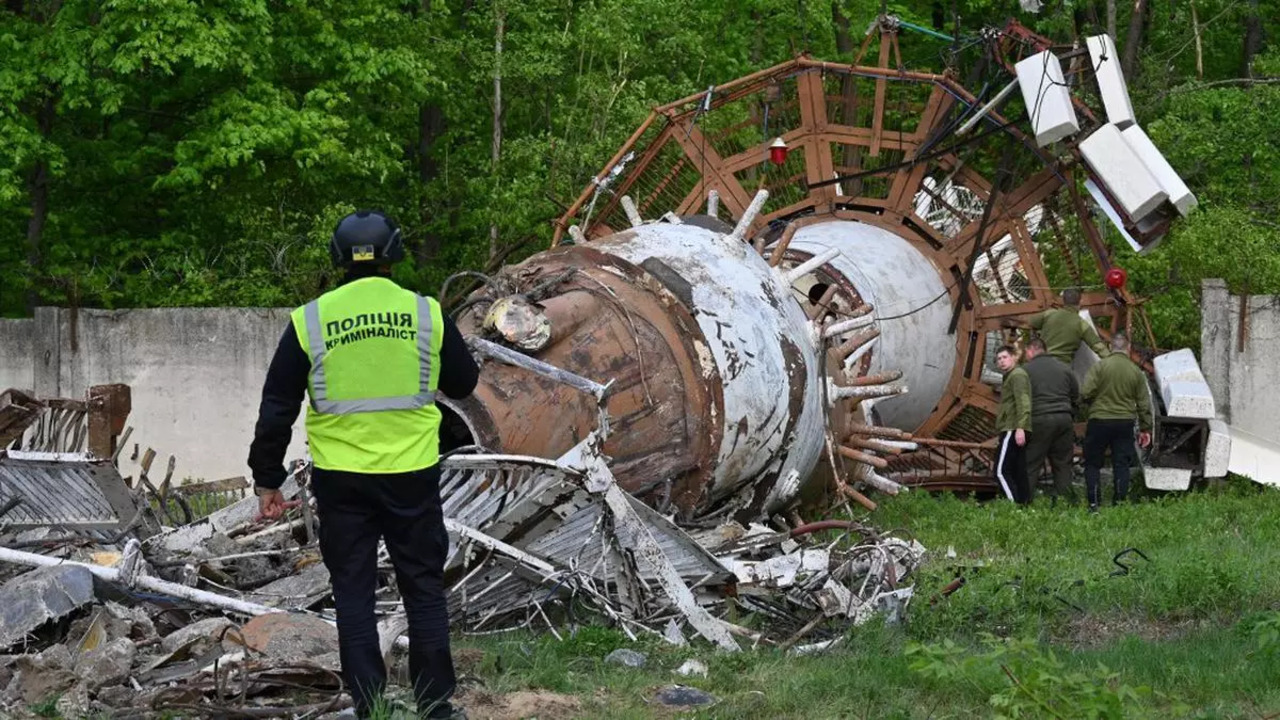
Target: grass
<point>1041,624</point>
<point>1211,556</point>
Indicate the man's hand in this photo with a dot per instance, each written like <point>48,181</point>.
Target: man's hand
<point>271,504</point>
<point>1144,439</point>
<point>1020,437</point>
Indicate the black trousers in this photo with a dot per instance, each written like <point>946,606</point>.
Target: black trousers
<point>404,509</point>
<point>1099,436</point>
<point>1053,437</point>
<point>1011,468</point>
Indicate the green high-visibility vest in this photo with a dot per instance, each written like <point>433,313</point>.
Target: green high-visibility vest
<point>375,366</point>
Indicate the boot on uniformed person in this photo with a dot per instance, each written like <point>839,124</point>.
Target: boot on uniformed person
<point>371,356</point>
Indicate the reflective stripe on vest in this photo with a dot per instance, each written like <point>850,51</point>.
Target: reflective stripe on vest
<point>319,393</point>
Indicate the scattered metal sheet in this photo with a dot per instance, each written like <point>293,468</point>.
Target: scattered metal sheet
<point>69,491</point>
<point>17,411</point>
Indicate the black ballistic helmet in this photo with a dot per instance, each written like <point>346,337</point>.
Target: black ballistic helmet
<point>366,237</point>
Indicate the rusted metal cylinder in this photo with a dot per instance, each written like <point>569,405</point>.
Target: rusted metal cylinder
<point>716,401</point>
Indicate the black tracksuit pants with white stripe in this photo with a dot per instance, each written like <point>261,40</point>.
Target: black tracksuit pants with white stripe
<point>1011,469</point>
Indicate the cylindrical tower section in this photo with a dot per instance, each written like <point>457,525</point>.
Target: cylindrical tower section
<point>717,394</point>
<point>912,310</point>
<point>760,344</point>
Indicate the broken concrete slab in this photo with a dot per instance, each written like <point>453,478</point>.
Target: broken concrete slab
<point>1217,451</point>
<point>210,629</point>
<point>35,598</point>
<point>301,590</point>
<point>626,658</point>
<point>692,668</point>
<point>290,636</point>
<point>1182,385</point>
<point>42,676</point>
<point>1171,479</point>
<point>109,664</point>
<point>682,696</point>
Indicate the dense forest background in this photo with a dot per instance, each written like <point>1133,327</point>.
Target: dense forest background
<point>175,152</point>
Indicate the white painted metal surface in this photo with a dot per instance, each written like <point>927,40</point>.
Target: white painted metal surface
<point>1048,99</point>
<point>912,311</point>
<point>1257,458</point>
<point>1179,194</point>
<point>1111,83</point>
<point>759,343</point>
<point>1123,173</point>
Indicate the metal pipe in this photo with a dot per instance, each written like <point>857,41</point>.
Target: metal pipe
<point>845,326</point>
<point>866,391</point>
<point>862,457</point>
<point>633,215</point>
<point>810,265</point>
<point>748,217</point>
<point>143,582</point>
<point>977,117</point>
<point>780,249</point>
<point>821,525</point>
<point>551,372</point>
<point>925,30</point>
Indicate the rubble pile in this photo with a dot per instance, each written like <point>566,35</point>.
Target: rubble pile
<point>134,615</point>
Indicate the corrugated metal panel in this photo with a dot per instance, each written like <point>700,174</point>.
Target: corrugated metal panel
<point>83,495</point>
<point>17,411</point>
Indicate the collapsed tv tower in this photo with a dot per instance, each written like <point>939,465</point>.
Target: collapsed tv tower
<point>796,279</point>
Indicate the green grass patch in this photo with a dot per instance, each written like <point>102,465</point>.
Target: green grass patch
<point>882,673</point>
<point>1046,626</point>
<point>1210,556</point>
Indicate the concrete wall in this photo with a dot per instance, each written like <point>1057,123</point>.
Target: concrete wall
<point>16,337</point>
<point>1243,376</point>
<point>196,374</point>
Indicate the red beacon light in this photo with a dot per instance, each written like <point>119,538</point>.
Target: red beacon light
<point>778,152</point>
<point>1116,278</point>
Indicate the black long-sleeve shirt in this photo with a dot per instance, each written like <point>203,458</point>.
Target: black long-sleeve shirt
<point>286,387</point>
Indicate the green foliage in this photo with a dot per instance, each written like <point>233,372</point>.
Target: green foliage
<point>1265,633</point>
<point>1026,680</point>
<point>47,708</point>
<point>199,153</point>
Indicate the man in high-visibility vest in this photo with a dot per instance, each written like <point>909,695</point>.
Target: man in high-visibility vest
<point>372,356</point>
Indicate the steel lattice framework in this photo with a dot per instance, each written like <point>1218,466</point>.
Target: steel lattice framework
<point>996,215</point>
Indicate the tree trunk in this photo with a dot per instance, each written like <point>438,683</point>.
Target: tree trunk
<point>38,187</point>
<point>1252,37</point>
<point>430,128</point>
<point>1195,29</point>
<point>1133,43</point>
<point>1111,19</point>
<point>852,155</point>
<point>496,146</point>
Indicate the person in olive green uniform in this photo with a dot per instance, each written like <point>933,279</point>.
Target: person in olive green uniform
<point>372,356</point>
<point>1117,393</point>
<point>1013,422</point>
<point>1054,396</point>
<point>1062,329</point>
